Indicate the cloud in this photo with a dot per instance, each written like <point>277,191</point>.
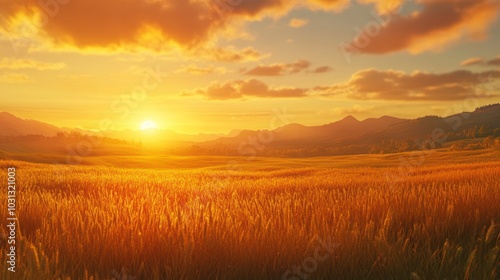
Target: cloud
<point>197,70</point>
<point>322,69</point>
<point>231,54</point>
<point>494,61</point>
<point>16,64</point>
<point>384,5</point>
<point>246,88</point>
<point>438,24</point>
<point>135,25</point>
<point>187,25</point>
<point>94,23</point>
<point>481,61</point>
<point>297,22</point>
<point>280,69</point>
<point>335,5</point>
<point>334,90</point>
<point>472,61</point>
<point>397,85</point>
<point>267,70</point>
<point>14,78</point>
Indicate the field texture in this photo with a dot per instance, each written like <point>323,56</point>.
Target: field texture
<point>440,221</point>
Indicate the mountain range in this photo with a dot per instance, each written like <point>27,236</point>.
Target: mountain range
<point>348,131</point>
<point>296,134</point>
<point>11,125</point>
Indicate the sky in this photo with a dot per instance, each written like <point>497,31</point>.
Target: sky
<point>210,66</point>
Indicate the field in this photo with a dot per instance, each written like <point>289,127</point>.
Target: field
<point>357,217</point>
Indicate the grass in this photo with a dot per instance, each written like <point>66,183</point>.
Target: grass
<point>268,219</point>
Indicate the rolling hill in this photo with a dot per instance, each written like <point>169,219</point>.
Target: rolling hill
<point>298,134</point>
<point>350,132</point>
<point>13,126</point>
<point>347,136</point>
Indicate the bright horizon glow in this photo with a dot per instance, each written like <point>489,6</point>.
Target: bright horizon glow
<point>148,125</point>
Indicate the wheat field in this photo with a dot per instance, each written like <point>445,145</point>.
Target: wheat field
<point>100,222</point>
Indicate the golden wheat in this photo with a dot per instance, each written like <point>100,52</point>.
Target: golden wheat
<point>95,222</point>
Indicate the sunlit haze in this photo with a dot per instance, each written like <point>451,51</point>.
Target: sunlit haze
<point>148,125</point>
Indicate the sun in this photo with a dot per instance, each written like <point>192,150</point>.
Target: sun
<point>148,125</point>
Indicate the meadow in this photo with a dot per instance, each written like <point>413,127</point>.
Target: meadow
<point>269,218</point>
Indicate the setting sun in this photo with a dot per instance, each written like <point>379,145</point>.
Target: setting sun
<point>147,125</point>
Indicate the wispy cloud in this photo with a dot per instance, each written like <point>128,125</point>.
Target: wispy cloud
<point>297,22</point>
<point>14,78</point>
<point>472,61</point>
<point>231,54</point>
<point>17,64</point>
<point>199,70</point>
<point>246,88</point>
<point>279,69</point>
<point>322,69</point>
<point>481,61</point>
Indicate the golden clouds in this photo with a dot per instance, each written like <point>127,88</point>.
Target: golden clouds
<point>322,69</point>
<point>397,85</point>
<point>14,78</point>
<point>17,64</point>
<point>297,22</point>
<point>11,65</point>
<point>199,70</point>
<point>230,54</point>
<point>246,88</point>
<point>383,6</point>
<point>494,62</point>
<point>438,24</point>
<point>111,23</point>
<point>281,69</point>
<point>472,61</point>
<point>165,25</point>
<point>335,5</point>
<point>126,24</point>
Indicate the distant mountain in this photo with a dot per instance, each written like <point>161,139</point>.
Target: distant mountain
<point>297,134</point>
<point>346,136</point>
<point>12,125</point>
<point>350,134</point>
<point>489,117</point>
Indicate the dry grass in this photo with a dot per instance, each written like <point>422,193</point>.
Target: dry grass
<point>95,222</point>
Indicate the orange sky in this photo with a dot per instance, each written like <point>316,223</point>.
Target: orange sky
<point>215,65</point>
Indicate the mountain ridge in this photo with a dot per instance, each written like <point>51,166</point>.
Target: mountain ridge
<point>348,131</point>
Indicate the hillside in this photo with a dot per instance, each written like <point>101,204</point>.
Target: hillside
<point>347,136</point>
<point>351,136</point>
<point>14,126</point>
<point>298,134</point>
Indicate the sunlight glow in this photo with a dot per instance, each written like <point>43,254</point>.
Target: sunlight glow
<point>147,125</point>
